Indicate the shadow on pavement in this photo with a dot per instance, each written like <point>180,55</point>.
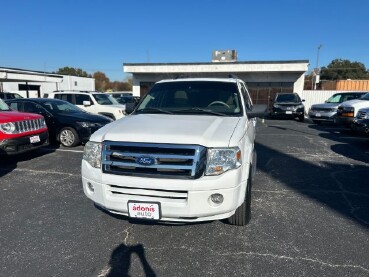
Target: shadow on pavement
<point>120,260</point>
<point>342,187</point>
<point>9,163</point>
<point>352,145</point>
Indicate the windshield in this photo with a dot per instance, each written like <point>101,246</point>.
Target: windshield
<point>290,97</point>
<point>60,107</point>
<point>342,97</point>
<point>3,106</point>
<point>104,99</point>
<point>365,97</point>
<point>193,97</point>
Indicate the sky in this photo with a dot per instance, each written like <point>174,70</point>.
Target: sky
<point>95,35</point>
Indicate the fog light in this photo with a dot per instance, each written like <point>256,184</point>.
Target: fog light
<point>90,187</point>
<point>217,198</point>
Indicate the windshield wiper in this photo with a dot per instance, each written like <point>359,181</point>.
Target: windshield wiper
<point>207,111</point>
<point>153,110</point>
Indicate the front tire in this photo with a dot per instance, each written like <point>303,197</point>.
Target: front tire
<point>68,137</point>
<point>301,118</point>
<point>242,215</point>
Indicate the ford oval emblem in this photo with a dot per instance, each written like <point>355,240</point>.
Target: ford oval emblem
<point>145,160</point>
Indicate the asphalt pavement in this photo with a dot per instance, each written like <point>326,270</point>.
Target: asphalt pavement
<point>310,216</point>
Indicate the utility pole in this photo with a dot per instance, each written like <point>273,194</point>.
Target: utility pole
<point>317,57</point>
<point>317,71</point>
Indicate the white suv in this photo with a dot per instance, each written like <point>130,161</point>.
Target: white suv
<point>92,102</point>
<point>186,154</point>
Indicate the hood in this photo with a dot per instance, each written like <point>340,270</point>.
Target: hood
<point>12,116</point>
<point>326,105</point>
<point>116,106</point>
<point>357,104</point>
<point>210,131</point>
<point>83,117</point>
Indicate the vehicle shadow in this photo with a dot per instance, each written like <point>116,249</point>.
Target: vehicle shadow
<point>9,163</point>
<point>338,186</point>
<point>351,145</point>
<point>120,260</point>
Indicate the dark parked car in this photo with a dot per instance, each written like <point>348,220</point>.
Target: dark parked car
<point>125,99</point>
<point>360,123</point>
<point>9,95</point>
<point>288,105</point>
<point>67,123</point>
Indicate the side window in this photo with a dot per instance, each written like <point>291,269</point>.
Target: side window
<point>246,97</point>
<point>30,107</point>
<point>65,97</point>
<point>15,106</point>
<point>81,97</point>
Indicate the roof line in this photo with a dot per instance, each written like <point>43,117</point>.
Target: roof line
<point>218,63</point>
<point>30,72</point>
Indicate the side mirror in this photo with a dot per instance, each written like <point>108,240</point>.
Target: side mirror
<point>86,103</point>
<point>130,108</point>
<point>260,110</point>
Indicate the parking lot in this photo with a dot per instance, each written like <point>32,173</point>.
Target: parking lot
<point>310,216</point>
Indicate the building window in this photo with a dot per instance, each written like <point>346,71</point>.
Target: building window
<point>75,83</point>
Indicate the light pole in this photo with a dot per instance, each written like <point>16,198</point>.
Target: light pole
<point>317,71</point>
<point>317,57</point>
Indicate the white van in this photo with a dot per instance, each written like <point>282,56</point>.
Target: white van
<point>92,102</point>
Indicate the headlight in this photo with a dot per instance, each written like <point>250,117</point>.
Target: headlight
<point>221,160</point>
<point>92,154</point>
<point>366,116</point>
<point>299,106</point>
<point>7,128</point>
<point>348,111</point>
<point>86,124</point>
<point>276,106</point>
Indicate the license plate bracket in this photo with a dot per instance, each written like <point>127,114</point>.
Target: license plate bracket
<point>34,139</point>
<point>144,210</point>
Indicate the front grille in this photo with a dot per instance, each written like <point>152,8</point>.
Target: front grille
<point>361,115</point>
<point>29,125</point>
<point>322,109</point>
<point>149,193</point>
<point>169,160</point>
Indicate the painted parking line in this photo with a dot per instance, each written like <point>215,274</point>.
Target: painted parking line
<point>65,150</point>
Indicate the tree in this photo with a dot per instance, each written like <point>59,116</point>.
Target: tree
<point>120,86</point>
<point>340,69</point>
<point>72,72</point>
<point>102,82</point>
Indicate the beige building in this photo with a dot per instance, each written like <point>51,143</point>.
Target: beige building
<point>264,78</point>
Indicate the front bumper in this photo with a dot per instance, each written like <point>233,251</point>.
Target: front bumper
<point>22,144</point>
<point>180,200</point>
<point>322,116</point>
<point>85,133</point>
<point>287,113</point>
<point>344,120</point>
<point>360,126</point>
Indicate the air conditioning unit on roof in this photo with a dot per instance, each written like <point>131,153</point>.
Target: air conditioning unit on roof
<point>224,56</point>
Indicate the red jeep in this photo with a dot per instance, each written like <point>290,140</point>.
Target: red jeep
<point>21,132</point>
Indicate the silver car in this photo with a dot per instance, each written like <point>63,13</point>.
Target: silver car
<point>326,112</point>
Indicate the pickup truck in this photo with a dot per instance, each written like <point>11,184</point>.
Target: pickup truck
<point>347,111</point>
<point>21,132</point>
<point>186,154</point>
